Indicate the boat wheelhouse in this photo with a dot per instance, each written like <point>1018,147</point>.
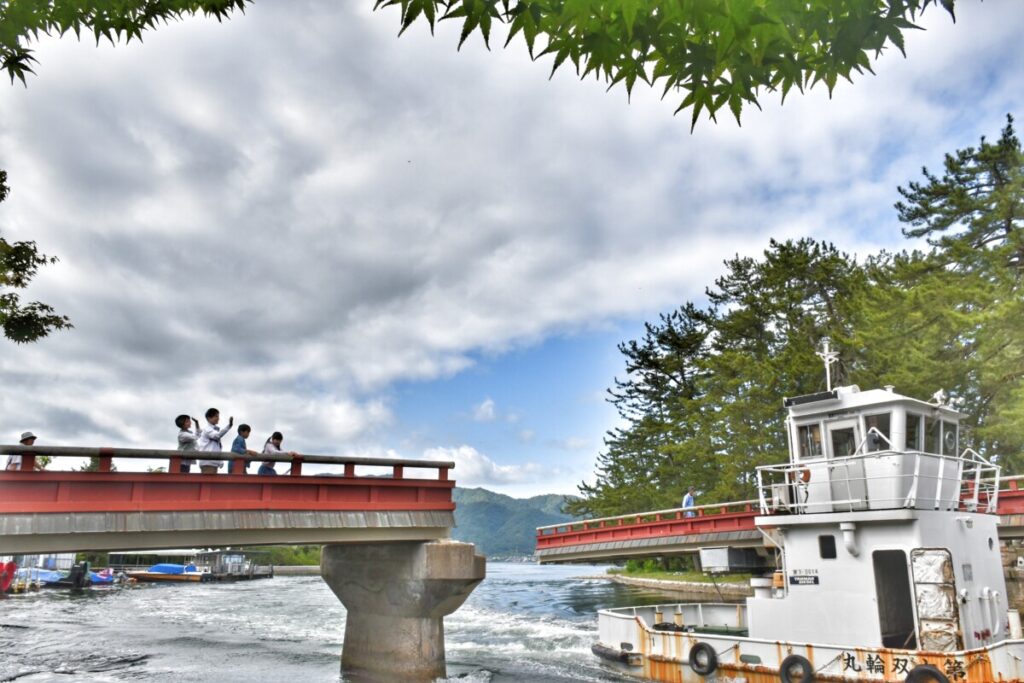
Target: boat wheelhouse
<point>887,554</point>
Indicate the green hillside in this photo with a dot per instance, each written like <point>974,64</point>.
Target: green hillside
<point>502,526</point>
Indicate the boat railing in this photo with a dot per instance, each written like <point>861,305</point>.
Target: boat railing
<point>880,480</point>
<point>980,486</point>
<point>394,468</point>
<point>619,624</point>
<point>697,614</point>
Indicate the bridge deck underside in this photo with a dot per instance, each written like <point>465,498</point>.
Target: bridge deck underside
<point>102,531</point>
<point>648,547</point>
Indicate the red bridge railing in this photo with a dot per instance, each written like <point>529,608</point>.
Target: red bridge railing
<point>1011,498</point>
<point>737,516</point>
<point>352,487</point>
<point>705,519</point>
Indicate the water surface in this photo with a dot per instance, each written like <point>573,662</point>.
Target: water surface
<point>523,623</point>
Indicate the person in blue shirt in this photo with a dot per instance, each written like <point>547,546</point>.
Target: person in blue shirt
<point>238,445</point>
<point>688,502</point>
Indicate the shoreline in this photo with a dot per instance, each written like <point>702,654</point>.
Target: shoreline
<point>296,570</point>
<point>728,590</point>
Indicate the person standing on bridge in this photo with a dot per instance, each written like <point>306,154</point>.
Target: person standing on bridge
<point>187,440</point>
<point>209,440</point>
<point>14,461</point>
<point>238,446</point>
<point>689,502</point>
<point>273,446</point>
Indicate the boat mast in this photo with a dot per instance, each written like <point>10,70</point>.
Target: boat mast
<point>830,357</point>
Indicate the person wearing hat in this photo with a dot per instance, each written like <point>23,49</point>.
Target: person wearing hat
<point>14,461</point>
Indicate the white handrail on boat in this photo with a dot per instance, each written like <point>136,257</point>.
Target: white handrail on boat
<point>872,430</point>
<point>958,481</point>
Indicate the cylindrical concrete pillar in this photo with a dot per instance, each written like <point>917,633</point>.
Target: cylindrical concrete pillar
<point>396,595</point>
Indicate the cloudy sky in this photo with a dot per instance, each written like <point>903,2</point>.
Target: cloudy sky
<point>380,245</point>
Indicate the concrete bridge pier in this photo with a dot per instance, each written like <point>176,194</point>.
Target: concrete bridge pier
<point>396,595</point>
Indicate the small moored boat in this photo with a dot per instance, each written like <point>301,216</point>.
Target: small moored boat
<point>167,572</point>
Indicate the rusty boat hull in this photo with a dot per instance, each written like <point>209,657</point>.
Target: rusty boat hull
<point>632,642</point>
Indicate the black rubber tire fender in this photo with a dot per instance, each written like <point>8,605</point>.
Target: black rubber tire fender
<point>806,669</point>
<point>926,673</point>
<point>703,659</point>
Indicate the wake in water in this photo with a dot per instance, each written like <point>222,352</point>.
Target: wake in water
<point>523,623</point>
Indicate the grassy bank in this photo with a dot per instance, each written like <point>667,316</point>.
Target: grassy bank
<point>673,569</point>
<point>689,576</point>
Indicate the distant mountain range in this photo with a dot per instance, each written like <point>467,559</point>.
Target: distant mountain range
<point>502,526</point>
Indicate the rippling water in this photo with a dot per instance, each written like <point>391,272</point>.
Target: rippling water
<point>523,623</point>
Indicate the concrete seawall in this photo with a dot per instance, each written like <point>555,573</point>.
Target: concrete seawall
<point>296,570</point>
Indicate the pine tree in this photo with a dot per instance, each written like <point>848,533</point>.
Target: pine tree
<point>645,461</point>
<point>974,214</point>
<point>771,316</point>
<point>954,317</point>
<point>702,398</point>
<point>701,402</point>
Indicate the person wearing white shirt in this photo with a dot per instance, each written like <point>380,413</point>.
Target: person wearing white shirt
<point>688,502</point>
<point>209,440</point>
<point>273,446</point>
<point>14,461</point>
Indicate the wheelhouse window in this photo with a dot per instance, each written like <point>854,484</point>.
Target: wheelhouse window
<point>844,442</point>
<point>949,438</point>
<point>810,441</point>
<point>932,435</point>
<point>875,425</point>
<point>913,432</point>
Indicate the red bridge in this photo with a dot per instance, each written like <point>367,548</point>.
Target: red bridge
<point>668,532</point>
<point>380,521</point>
<point>363,500</point>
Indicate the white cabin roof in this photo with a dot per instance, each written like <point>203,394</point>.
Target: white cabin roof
<point>852,399</point>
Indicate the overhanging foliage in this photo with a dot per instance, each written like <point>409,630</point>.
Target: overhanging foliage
<point>715,53</point>
<point>711,53</point>
<point>19,263</point>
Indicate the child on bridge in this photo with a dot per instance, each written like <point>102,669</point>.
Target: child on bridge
<point>209,440</point>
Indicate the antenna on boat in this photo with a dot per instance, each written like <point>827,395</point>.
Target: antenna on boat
<point>830,357</point>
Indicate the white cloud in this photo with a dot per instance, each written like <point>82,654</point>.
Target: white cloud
<point>289,242</point>
<point>485,411</point>
<point>572,443</point>
<point>526,436</point>
<point>473,468</point>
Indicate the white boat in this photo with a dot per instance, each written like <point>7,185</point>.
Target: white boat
<point>886,540</point>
